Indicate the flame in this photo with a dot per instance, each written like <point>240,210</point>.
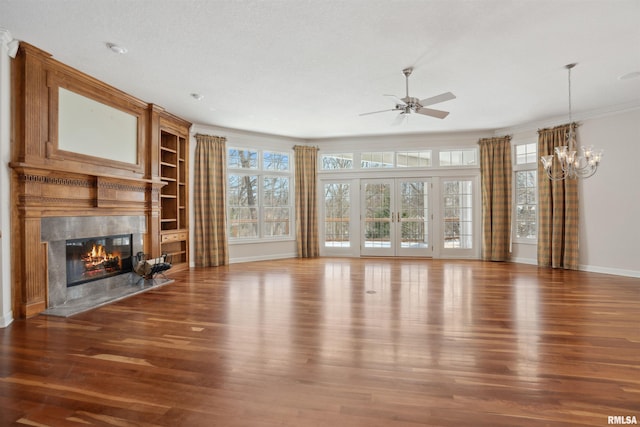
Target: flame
<point>97,257</point>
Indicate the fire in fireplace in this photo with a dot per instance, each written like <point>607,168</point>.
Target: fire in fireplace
<point>97,257</point>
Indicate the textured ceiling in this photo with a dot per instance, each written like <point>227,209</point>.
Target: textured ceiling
<point>307,69</point>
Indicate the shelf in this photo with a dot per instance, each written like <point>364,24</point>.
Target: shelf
<point>170,150</point>
<point>173,162</point>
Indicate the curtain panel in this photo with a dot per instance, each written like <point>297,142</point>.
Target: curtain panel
<point>557,207</point>
<point>496,183</point>
<point>306,176</point>
<point>210,228</point>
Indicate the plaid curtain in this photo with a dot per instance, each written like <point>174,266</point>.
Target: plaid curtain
<point>496,169</point>
<point>557,208</point>
<point>210,229</point>
<point>306,201</point>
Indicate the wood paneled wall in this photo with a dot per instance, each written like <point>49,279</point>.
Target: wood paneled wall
<point>47,181</point>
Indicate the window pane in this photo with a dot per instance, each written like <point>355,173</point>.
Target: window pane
<point>275,191</point>
<point>469,157</point>
<point>276,221</point>
<point>243,159</point>
<point>337,206</point>
<point>526,153</point>
<point>413,159</point>
<point>242,200</point>
<point>466,157</point>
<point>458,214</point>
<point>275,161</point>
<point>376,160</point>
<point>526,220</point>
<point>337,161</point>
<point>456,158</point>
<point>445,158</point>
<point>243,222</point>
<point>377,219</point>
<point>243,190</point>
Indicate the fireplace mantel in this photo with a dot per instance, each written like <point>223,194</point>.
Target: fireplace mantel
<point>48,182</point>
<point>42,194</point>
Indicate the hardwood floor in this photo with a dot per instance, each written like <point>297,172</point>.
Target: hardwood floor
<point>337,342</point>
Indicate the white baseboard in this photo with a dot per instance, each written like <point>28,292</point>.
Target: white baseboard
<point>529,261</point>
<point>261,258</point>
<point>6,320</point>
<point>588,268</point>
<point>607,270</point>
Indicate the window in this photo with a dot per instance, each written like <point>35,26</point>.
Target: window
<point>525,193</point>
<point>337,161</point>
<point>526,153</point>
<point>242,159</point>
<point>413,159</point>
<point>376,160</point>
<point>450,157</point>
<point>276,206</point>
<point>337,206</point>
<point>459,157</point>
<point>258,198</point>
<point>458,214</point>
<point>242,200</point>
<point>275,161</point>
<point>526,221</point>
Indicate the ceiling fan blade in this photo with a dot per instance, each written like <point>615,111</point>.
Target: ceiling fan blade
<point>447,96</point>
<point>439,114</point>
<point>397,100</point>
<point>400,119</point>
<point>376,112</point>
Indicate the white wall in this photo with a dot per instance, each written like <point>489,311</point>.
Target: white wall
<point>254,250</point>
<point>6,315</point>
<point>609,201</point>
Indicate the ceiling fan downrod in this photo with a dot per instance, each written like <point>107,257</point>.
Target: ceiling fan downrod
<point>407,72</point>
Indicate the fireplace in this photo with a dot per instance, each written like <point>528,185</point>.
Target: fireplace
<point>96,258</point>
<point>75,270</point>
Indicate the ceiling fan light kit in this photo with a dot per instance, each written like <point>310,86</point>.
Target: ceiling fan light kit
<point>410,104</point>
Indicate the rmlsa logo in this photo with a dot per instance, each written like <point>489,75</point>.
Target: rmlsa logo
<point>622,419</point>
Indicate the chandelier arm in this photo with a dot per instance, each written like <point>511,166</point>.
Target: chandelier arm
<point>586,172</point>
<point>561,177</point>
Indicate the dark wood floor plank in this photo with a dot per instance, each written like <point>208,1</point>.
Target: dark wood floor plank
<point>337,342</point>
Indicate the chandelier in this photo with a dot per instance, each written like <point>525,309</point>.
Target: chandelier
<point>572,163</point>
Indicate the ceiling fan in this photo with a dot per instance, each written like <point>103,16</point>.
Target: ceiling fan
<point>409,104</point>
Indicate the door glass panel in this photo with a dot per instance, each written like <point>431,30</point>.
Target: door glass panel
<point>377,215</point>
<point>414,214</point>
<point>337,206</point>
<point>458,214</point>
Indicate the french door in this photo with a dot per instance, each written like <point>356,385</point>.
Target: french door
<point>395,216</point>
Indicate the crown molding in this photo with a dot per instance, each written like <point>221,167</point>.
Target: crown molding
<point>577,117</point>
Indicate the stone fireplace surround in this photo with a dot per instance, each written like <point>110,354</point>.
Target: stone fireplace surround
<point>55,231</point>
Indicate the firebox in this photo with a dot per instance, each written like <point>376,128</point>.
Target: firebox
<point>96,258</point>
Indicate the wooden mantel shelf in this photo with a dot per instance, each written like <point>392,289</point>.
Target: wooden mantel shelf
<point>31,168</point>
